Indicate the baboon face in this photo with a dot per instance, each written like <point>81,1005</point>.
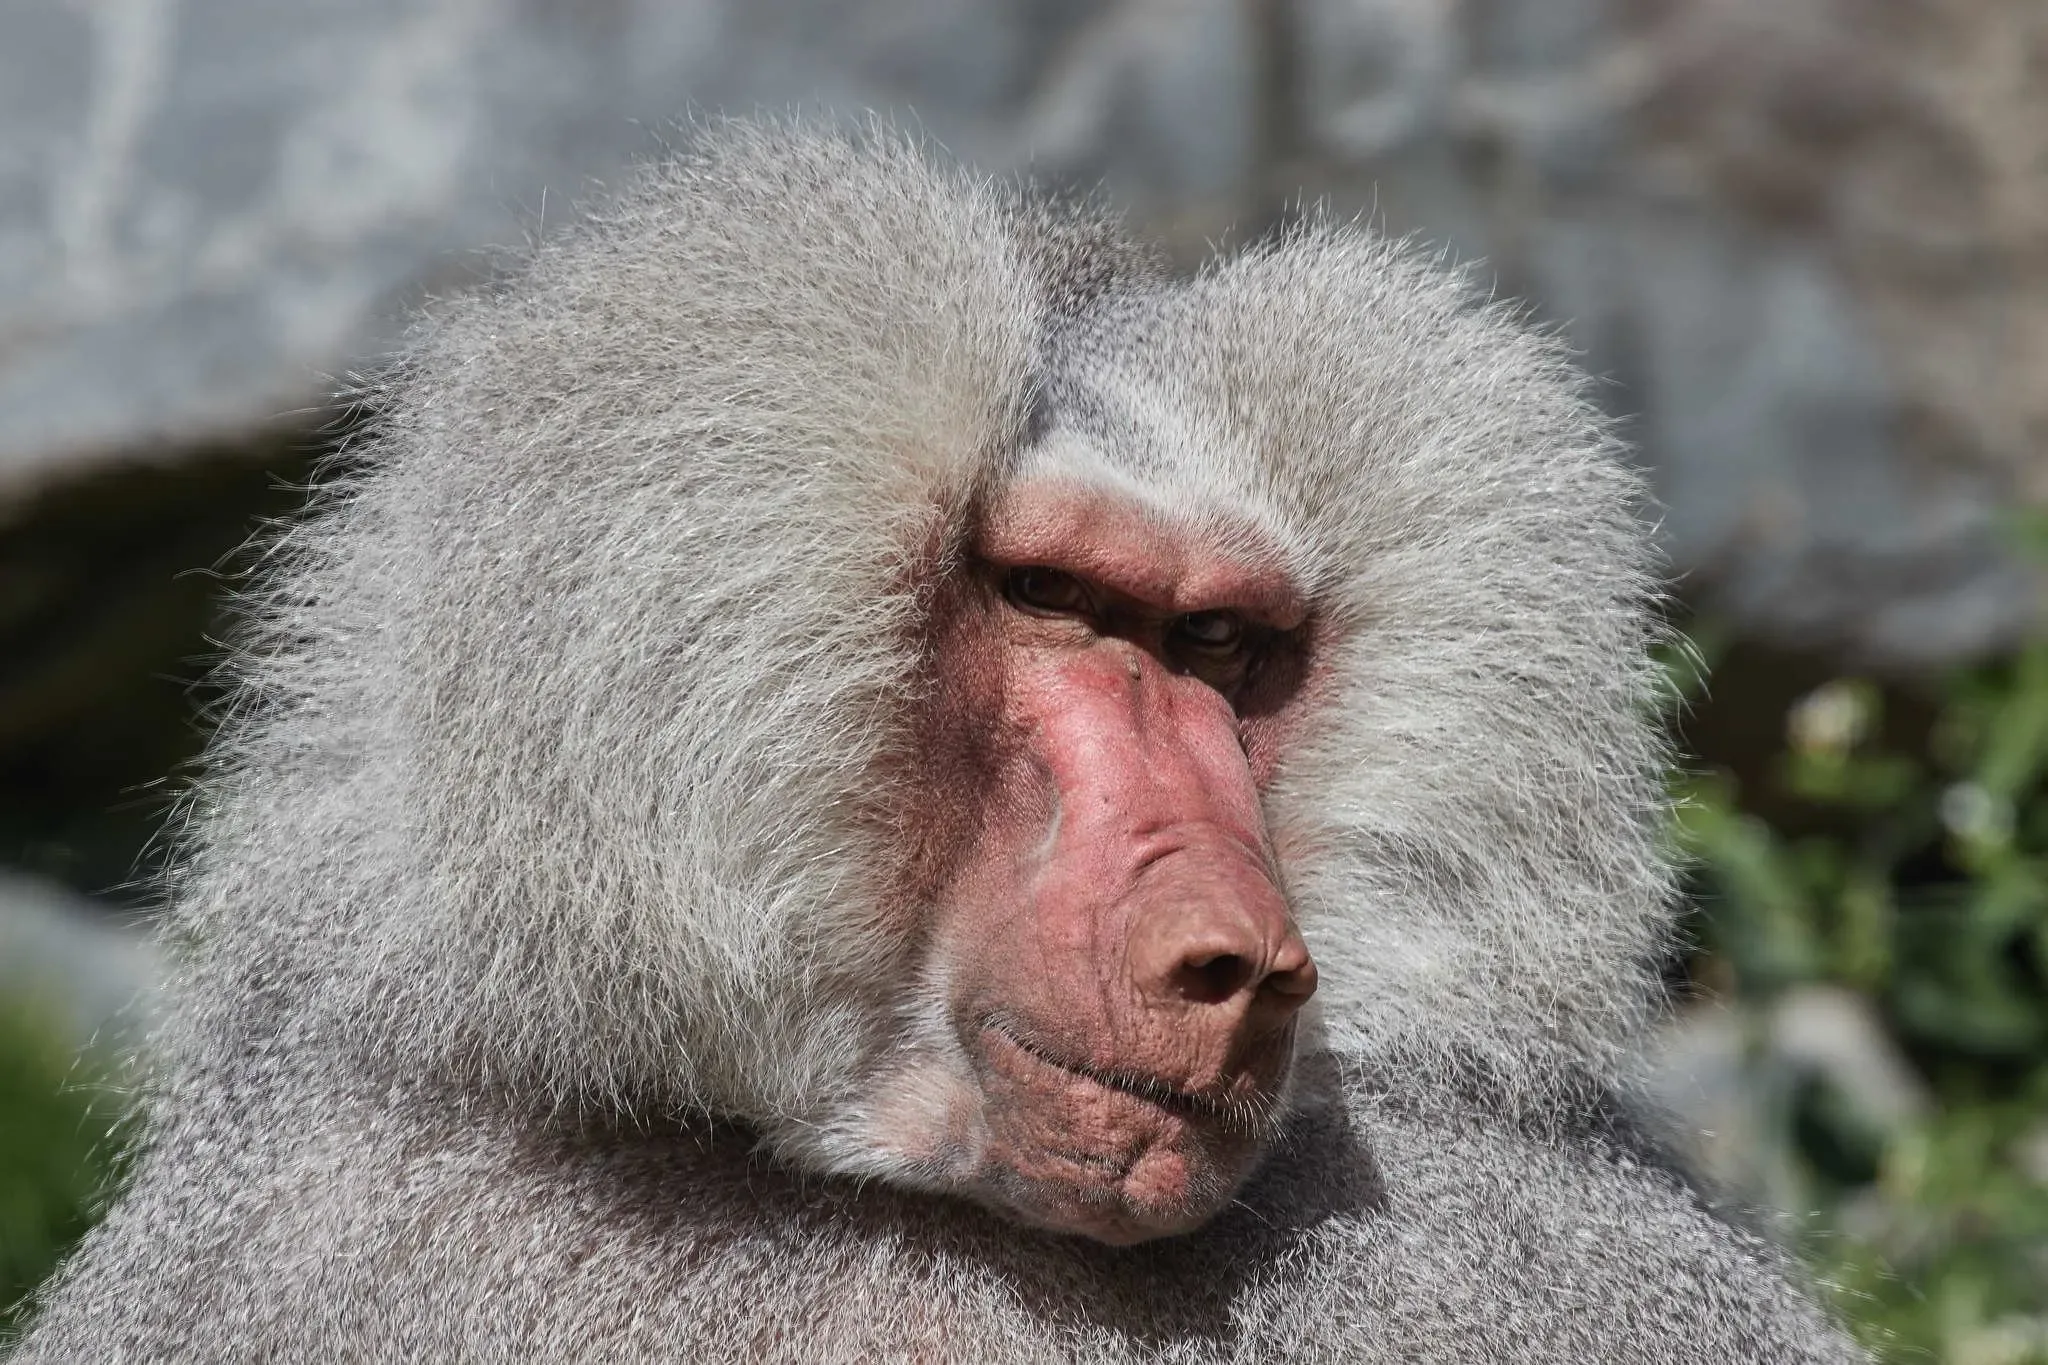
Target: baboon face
<point>1119,966</point>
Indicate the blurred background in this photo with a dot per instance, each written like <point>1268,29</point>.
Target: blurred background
<point>1804,244</point>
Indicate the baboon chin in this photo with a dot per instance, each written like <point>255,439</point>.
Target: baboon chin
<point>843,749</point>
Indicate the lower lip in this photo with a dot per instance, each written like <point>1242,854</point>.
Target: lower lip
<point>1170,1101</point>
<point>1177,1104</point>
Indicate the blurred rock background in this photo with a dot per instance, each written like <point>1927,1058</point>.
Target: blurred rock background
<point>1803,242</point>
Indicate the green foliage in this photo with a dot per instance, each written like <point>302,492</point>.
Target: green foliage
<point>1911,877</point>
<point>55,1154</point>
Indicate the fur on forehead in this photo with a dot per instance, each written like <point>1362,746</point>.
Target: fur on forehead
<point>638,810</point>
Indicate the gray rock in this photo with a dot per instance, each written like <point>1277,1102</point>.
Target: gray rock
<point>1737,212</point>
<point>1728,1073</point>
<point>211,206</point>
<point>66,960</point>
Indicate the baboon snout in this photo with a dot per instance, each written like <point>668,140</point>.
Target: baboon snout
<point>1215,940</point>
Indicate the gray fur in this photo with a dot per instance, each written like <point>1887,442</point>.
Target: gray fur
<point>529,915</point>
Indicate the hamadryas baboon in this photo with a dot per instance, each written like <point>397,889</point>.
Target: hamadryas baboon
<point>854,771</point>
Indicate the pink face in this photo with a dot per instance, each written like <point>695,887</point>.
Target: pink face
<point>1124,970</point>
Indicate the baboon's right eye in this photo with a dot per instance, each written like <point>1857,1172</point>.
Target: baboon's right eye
<point>1047,592</point>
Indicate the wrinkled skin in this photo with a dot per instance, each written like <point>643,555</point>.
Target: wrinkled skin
<point>1125,970</point>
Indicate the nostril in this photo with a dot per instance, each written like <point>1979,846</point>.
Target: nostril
<point>1293,983</point>
<point>1212,980</point>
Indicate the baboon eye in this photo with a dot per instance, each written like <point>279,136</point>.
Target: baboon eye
<point>1213,632</point>
<point>1047,591</point>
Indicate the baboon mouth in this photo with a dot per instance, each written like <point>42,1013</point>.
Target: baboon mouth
<point>1249,1106</point>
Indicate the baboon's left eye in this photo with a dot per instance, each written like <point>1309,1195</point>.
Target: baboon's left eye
<point>1217,632</point>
